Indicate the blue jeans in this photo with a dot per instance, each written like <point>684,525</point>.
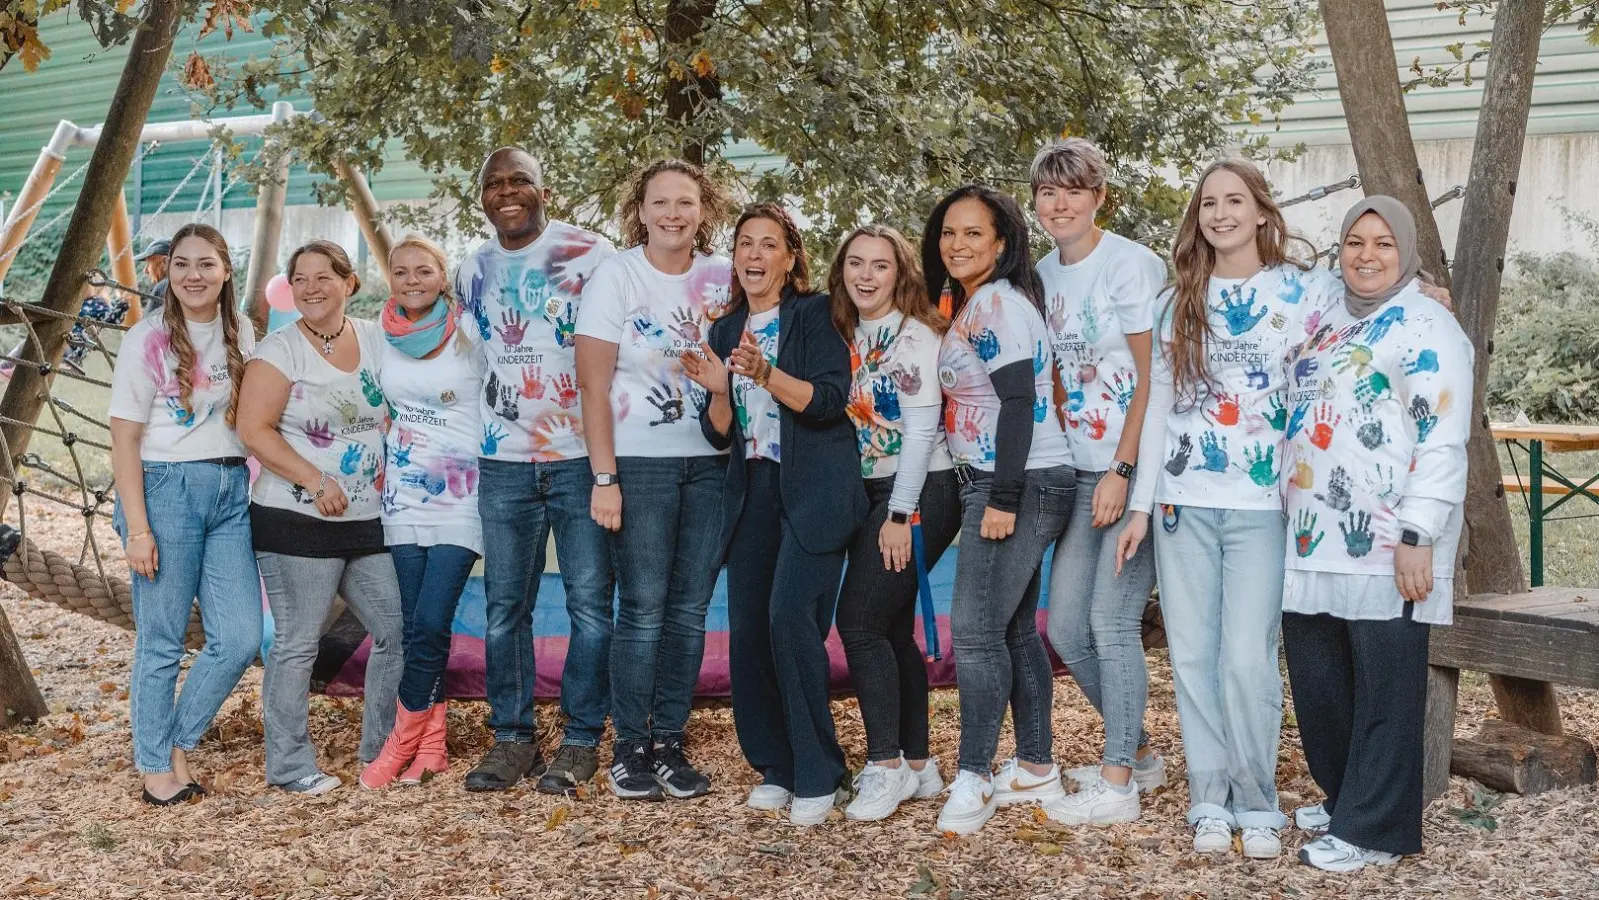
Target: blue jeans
<point>1096,621</point>
<point>666,557</point>
<point>199,514</point>
<point>520,503</point>
<point>1000,658</point>
<point>431,580</point>
<point>1221,594</point>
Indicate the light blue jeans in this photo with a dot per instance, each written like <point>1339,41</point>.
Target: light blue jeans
<point>1221,593</point>
<point>199,513</point>
<point>1096,621</point>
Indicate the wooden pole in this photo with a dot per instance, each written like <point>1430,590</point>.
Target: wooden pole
<point>34,190</point>
<point>269,202</point>
<point>119,246</point>
<point>365,207</point>
<point>1362,50</point>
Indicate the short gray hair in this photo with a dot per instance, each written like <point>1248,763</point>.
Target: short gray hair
<point>1071,163</point>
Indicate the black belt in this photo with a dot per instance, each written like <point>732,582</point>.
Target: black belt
<point>968,474</point>
<point>223,460</point>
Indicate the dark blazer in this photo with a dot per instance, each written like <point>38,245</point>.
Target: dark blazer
<point>824,498</point>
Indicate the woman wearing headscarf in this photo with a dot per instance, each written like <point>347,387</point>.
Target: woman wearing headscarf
<point>1387,381</point>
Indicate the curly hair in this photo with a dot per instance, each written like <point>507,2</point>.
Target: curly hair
<point>177,328</point>
<point>714,203</point>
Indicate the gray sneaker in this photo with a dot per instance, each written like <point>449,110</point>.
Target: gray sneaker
<point>573,765</point>
<point>313,785</point>
<point>505,765</point>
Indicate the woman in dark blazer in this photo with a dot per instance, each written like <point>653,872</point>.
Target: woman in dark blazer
<point>793,499</point>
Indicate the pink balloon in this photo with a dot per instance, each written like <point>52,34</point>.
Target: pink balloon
<point>279,295</point>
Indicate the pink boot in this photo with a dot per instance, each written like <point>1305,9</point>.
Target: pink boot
<point>431,755</point>
<point>398,750</point>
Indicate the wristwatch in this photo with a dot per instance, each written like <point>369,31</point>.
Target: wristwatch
<point>606,479</point>
<point>1123,469</point>
<point>1410,537</point>
<point>899,518</point>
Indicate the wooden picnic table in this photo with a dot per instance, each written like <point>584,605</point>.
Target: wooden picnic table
<point>1536,440</point>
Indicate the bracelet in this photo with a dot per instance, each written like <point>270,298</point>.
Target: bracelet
<point>321,487</point>
<point>763,374</point>
<point>143,534</point>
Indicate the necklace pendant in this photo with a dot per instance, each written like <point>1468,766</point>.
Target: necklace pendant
<point>327,348</point>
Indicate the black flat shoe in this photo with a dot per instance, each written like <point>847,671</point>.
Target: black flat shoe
<point>184,795</point>
<point>196,788</point>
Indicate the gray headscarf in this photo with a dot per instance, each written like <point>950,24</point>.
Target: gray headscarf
<point>1403,226</point>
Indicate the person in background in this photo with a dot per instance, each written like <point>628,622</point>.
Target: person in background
<point>156,259</point>
<point>880,305</point>
<point>312,410</point>
<point>793,500</point>
<point>1213,439</point>
<point>658,481</point>
<point>183,500</point>
<point>521,291</point>
<point>1017,485</point>
<point>431,375</point>
<point>1101,290</point>
<point>1382,394</point>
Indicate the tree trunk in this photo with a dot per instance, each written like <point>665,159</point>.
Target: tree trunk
<point>688,91</point>
<point>1493,562</point>
<point>20,700</point>
<point>81,247</point>
<point>1505,757</point>
<point>1362,50</point>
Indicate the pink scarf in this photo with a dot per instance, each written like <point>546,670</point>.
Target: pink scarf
<point>425,335</point>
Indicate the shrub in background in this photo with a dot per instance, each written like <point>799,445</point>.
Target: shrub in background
<point>1546,357</point>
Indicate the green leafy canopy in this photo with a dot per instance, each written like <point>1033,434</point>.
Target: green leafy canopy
<point>875,107</point>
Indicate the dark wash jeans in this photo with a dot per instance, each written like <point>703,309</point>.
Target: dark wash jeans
<point>780,607</point>
<point>431,580</point>
<point>520,503</point>
<point>877,620</point>
<point>666,557</point>
<point>999,655</point>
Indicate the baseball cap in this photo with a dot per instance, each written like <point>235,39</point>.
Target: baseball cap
<point>156,248</point>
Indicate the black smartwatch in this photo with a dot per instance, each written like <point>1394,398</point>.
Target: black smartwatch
<point>606,479</point>
<point>1410,537</point>
<point>1125,470</point>
<point>899,518</point>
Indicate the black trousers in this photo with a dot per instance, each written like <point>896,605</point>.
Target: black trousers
<point>780,607</point>
<point>1360,694</point>
<point>877,620</point>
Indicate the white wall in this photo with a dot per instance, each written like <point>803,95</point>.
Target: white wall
<point>1558,172</point>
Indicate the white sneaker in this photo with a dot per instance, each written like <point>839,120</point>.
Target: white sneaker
<point>1332,854</point>
<point>1014,785</point>
<point>929,783</point>
<point>879,790</point>
<point>1262,843</point>
<point>1212,835</point>
<point>1149,773</point>
<point>808,811</point>
<point>970,804</point>
<point>1313,819</point>
<point>769,796</point>
<point>313,785</point>
<point>1101,803</point>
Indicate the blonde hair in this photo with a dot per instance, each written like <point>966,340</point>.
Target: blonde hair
<point>1194,259</point>
<point>413,241</point>
<point>714,203</point>
<point>173,321</point>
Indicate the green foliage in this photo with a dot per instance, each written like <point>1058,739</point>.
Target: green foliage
<point>1546,357</point>
<point>1480,814</point>
<point>875,107</point>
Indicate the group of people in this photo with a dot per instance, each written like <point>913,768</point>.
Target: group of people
<point>665,411</point>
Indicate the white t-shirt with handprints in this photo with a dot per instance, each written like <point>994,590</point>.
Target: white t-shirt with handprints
<point>1225,449</point>
<point>334,419</point>
<point>653,318</point>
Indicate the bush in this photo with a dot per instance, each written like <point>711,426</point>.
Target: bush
<point>1546,358</point>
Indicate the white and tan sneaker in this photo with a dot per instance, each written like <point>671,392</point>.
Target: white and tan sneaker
<point>1015,785</point>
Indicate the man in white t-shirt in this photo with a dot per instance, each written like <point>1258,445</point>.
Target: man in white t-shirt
<point>520,292</point>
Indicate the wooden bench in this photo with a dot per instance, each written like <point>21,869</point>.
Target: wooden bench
<point>1514,485</point>
<point>1548,635</point>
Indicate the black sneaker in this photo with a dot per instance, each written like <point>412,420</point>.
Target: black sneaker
<point>632,775</point>
<point>677,775</point>
<point>505,765</point>
<point>573,765</point>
